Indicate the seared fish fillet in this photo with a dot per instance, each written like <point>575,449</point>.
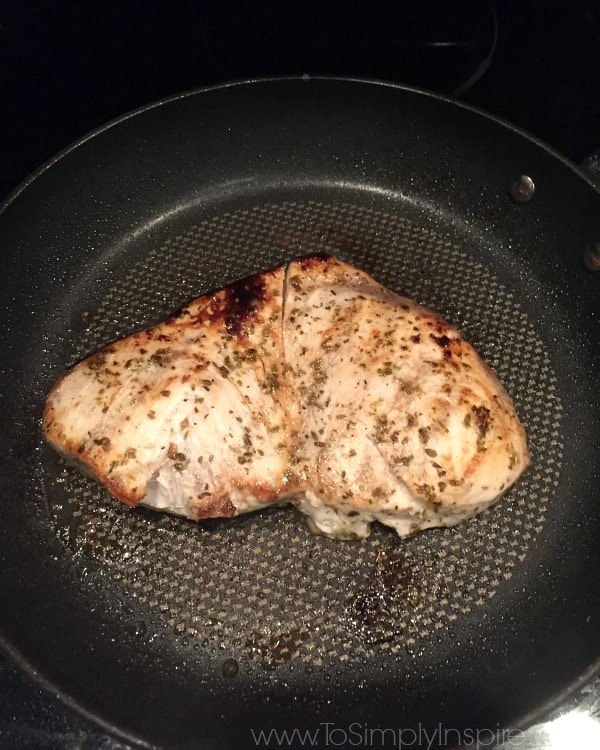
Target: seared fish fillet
<point>311,384</point>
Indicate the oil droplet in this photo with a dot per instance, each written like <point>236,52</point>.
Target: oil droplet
<point>230,668</point>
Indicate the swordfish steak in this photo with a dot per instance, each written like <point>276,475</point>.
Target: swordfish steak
<point>309,383</point>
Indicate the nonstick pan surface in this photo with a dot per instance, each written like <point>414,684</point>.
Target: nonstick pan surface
<point>178,634</point>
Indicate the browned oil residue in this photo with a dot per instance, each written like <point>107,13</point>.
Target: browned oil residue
<point>279,648</point>
<point>372,612</point>
<point>337,238</point>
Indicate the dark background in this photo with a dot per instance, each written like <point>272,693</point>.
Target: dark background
<point>68,66</point>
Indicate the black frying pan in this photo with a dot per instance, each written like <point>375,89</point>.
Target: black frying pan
<point>192,635</point>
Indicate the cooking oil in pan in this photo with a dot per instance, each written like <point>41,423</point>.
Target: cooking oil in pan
<point>260,591</point>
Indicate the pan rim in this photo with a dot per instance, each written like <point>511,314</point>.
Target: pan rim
<point>306,78</point>
<point>38,679</point>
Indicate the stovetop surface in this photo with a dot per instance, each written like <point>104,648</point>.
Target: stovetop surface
<point>67,67</point>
